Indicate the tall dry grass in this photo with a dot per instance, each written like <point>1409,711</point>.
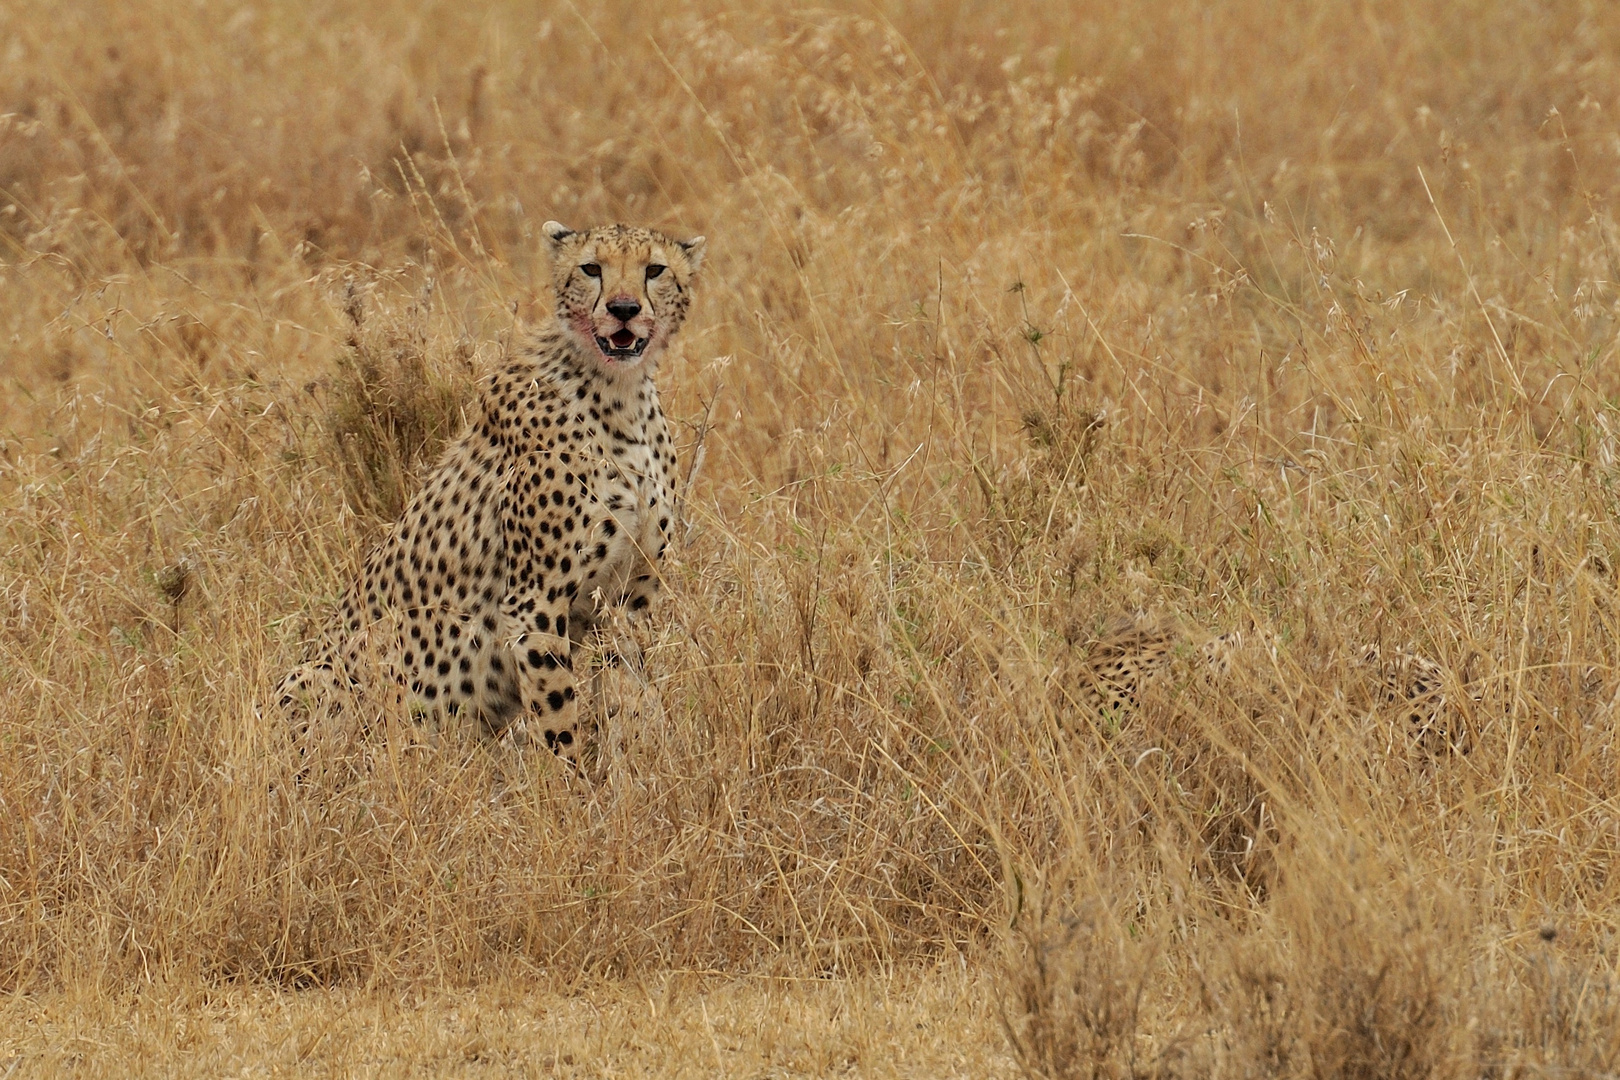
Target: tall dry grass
<point>1298,315</point>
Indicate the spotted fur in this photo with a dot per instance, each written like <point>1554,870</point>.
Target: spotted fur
<point>551,508</point>
<point>1414,688</point>
<point>1134,652</point>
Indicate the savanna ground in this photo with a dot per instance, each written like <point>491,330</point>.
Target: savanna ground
<point>1295,317</point>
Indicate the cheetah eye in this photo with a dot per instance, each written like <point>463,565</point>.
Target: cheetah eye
<point>654,270</point>
<point>592,270</point>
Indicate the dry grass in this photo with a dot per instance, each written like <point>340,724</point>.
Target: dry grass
<point>1298,315</point>
<point>669,1025</point>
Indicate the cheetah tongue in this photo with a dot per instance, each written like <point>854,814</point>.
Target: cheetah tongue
<point>622,339</point>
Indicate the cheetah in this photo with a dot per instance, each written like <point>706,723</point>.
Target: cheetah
<point>551,509</point>
<point>1135,651</point>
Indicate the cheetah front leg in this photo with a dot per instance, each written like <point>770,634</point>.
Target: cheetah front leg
<point>625,701</point>
<point>542,534</point>
<point>643,582</point>
<point>637,594</point>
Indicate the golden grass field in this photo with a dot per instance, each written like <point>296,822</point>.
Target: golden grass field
<point>1290,316</point>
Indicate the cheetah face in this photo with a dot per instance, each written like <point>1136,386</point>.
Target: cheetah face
<point>622,292</point>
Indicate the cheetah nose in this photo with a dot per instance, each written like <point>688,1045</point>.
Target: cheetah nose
<point>623,308</point>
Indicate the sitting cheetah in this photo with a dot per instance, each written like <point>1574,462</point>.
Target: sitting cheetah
<point>554,504</point>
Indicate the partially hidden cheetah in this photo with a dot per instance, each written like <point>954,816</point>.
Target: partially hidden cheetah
<point>552,506</point>
<point>1135,651</point>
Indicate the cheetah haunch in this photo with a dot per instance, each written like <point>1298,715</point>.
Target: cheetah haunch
<point>554,505</point>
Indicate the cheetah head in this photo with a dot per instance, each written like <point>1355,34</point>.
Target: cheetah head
<point>622,292</point>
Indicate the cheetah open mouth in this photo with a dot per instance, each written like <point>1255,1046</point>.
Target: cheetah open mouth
<point>621,345</point>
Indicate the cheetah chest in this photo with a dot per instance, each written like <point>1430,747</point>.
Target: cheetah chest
<point>631,488</point>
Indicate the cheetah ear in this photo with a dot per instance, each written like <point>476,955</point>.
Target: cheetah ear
<point>557,231</point>
<point>694,250</point>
